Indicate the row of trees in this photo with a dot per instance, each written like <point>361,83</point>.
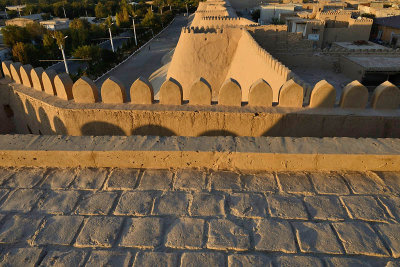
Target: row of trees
<point>101,9</point>
<point>34,44</point>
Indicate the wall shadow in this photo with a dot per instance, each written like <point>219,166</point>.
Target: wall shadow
<point>31,118</point>
<point>45,126</point>
<point>154,130</point>
<point>101,128</point>
<point>59,126</point>
<point>218,133</point>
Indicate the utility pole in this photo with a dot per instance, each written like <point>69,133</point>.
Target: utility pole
<point>62,52</point>
<point>187,11</point>
<point>111,40</point>
<point>134,29</point>
<point>65,15</point>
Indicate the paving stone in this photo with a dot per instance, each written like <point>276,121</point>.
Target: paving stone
<point>5,174</point>
<point>224,180</point>
<point>64,258</point>
<point>21,200</point>
<point>59,178</point>
<point>274,235</point>
<point>286,207</point>
<point>349,262</point>
<point>143,232</point>
<point>295,182</point>
<point>20,257</point>
<point>25,178</point>
<point>109,258</point>
<point>289,261</point>
<point>329,183</point>
<point>391,236</point>
<point>260,182</point>
<point>248,260</point>
<point>172,203</point>
<point>392,180</point>
<point>154,259</point>
<point>19,228</point>
<point>190,180</point>
<point>365,208</point>
<point>247,205</point>
<point>359,238</point>
<point>122,179</point>
<point>136,203</point>
<point>316,237</point>
<point>365,183</point>
<point>392,204</point>
<point>98,203</point>
<point>89,178</point>
<point>156,180</point>
<point>325,208</point>
<point>202,259</point>
<point>59,202</point>
<point>59,230</point>
<point>185,233</point>
<point>99,232</point>
<point>206,204</point>
<point>224,234</point>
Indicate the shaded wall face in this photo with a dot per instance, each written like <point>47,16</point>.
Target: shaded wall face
<point>387,33</point>
<point>350,34</point>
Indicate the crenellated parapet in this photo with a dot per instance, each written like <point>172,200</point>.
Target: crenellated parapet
<point>88,112</point>
<point>291,94</point>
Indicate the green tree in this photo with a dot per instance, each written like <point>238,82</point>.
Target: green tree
<point>25,53</point>
<point>15,34</point>
<point>80,32</point>
<point>100,10</point>
<point>151,20</point>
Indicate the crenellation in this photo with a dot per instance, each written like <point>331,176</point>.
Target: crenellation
<point>142,92</point>
<point>36,76</point>
<point>15,72</point>
<point>84,90</point>
<point>63,85</point>
<point>25,71</point>
<point>48,81</point>
<point>113,91</point>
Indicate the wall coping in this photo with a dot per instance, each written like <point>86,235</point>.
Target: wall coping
<point>222,153</point>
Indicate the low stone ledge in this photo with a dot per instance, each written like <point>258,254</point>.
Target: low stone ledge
<point>222,153</point>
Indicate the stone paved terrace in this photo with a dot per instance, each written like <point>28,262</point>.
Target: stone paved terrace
<point>125,217</point>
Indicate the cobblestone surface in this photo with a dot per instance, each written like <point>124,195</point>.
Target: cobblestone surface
<point>100,217</point>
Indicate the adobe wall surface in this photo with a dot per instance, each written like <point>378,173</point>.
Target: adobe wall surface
<point>39,113</point>
<point>216,153</point>
<point>207,55</point>
<point>251,62</point>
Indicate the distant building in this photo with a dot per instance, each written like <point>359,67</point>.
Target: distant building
<point>24,20</point>
<point>55,24</point>
<point>274,11</point>
<point>21,22</point>
<point>389,30</point>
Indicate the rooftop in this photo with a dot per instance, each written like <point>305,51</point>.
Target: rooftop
<point>377,62</point>
<point>102,216</point>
